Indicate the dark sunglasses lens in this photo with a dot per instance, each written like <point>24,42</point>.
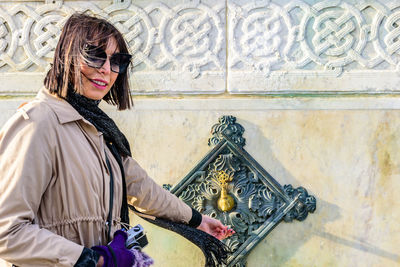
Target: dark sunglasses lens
<point>119,62</point>
<point>95,56</point>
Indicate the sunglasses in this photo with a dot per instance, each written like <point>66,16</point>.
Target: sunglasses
<point>95,57</point>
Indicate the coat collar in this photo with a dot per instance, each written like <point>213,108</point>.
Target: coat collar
<point>63,110</point>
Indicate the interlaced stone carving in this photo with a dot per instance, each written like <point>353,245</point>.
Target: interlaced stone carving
<point>333,34</point>
<point>192,37</point>
<point>292,35</point>
<point>392,39</point>
<point>339,36</point>
<point>228,184</point>
<point>34,33</point>
<point>7,41</point>
<point>271,39</point>
<point>187,37</point>
<point>260,35</point>
<point>137,27</point>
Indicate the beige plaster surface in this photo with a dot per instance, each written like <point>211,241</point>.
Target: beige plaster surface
<point>349,159</point>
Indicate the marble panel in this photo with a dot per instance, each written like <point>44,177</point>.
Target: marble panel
<point>280,47</point>
<point>178,46</point>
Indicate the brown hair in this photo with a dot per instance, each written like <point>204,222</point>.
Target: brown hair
<point>79,30</point>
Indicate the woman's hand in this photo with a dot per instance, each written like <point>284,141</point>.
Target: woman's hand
<point>100,262</point>
<point>214,227</point>
<point>115,253</point>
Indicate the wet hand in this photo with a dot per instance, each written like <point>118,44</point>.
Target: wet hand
<point>215,228</point>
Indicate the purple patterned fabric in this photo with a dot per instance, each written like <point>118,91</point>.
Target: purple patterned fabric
<point>141,259</point>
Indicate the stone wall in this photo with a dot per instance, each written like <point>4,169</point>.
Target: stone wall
<point>314,84</point>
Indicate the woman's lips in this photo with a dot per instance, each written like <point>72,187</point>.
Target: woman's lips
<point>101,84</point>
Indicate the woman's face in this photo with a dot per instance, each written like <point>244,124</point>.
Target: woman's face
<point>97,82</point>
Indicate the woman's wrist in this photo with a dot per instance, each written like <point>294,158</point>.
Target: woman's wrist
<point>100,262</point>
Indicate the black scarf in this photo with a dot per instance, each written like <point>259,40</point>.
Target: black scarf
<point>115,139</point>
<point>89,109</point>
<point>215,252</point>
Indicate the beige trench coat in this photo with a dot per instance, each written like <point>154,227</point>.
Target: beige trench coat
<point>54,186</point>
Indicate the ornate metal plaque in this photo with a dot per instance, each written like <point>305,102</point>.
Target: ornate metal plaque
<point>230,185</point>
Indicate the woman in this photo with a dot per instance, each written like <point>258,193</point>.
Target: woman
<point>66,171</point>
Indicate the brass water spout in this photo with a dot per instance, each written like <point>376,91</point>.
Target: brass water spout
<point>225,201</point>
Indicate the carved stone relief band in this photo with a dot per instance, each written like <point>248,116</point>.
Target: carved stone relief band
<point>230,185</point>
<point>217,46</point>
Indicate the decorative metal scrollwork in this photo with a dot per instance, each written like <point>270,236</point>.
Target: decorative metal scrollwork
<point>230,185</point>
<point>227,126</point>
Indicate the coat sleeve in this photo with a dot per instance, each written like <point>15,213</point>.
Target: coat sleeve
<point>26,168</point>
<point>150,198</point>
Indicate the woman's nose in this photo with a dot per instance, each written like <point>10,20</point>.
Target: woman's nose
<point>106,68</point>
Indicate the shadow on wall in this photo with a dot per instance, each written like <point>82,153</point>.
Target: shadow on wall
<point>281,245</point>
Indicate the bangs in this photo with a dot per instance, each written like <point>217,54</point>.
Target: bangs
<point>100,38</point>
